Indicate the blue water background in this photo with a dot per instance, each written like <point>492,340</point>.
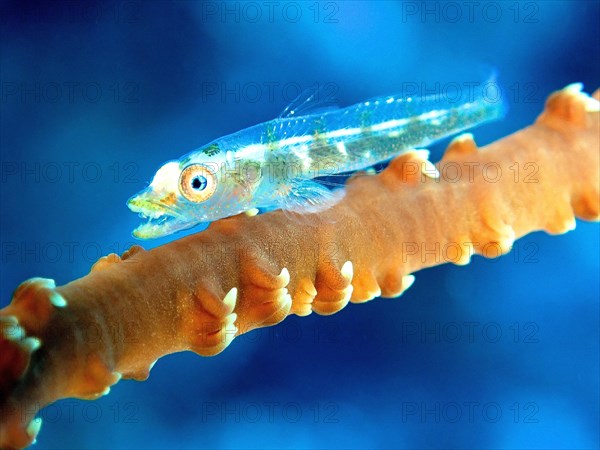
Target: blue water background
<point>95,96</point>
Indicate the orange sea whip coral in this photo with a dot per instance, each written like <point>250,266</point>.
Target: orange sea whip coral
<point>199,292</point>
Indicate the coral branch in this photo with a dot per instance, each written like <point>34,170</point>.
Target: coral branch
<point>199,292</point>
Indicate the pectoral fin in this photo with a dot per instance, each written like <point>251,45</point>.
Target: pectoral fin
<point>306,196</point>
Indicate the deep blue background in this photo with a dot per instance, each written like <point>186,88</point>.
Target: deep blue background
<point>113,90</point>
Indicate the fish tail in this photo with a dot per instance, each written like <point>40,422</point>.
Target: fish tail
<point>445,114</point>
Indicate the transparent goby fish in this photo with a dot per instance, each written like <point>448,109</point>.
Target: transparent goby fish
<point>275,164</point>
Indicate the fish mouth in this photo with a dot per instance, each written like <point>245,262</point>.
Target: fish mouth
<point>160,219</point>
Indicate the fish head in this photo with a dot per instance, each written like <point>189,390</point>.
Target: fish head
<point>183,194</point>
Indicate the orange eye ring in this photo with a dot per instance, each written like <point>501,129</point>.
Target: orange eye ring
<point>197,183</point>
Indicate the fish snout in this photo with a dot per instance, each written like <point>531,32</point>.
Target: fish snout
<point>151,203</point>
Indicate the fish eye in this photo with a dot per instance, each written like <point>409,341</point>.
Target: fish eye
<point>197,183</point>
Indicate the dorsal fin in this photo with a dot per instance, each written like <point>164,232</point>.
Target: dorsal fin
<point>311,100</point>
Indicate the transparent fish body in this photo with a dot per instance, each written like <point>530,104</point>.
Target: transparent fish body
<point>274,164</point>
